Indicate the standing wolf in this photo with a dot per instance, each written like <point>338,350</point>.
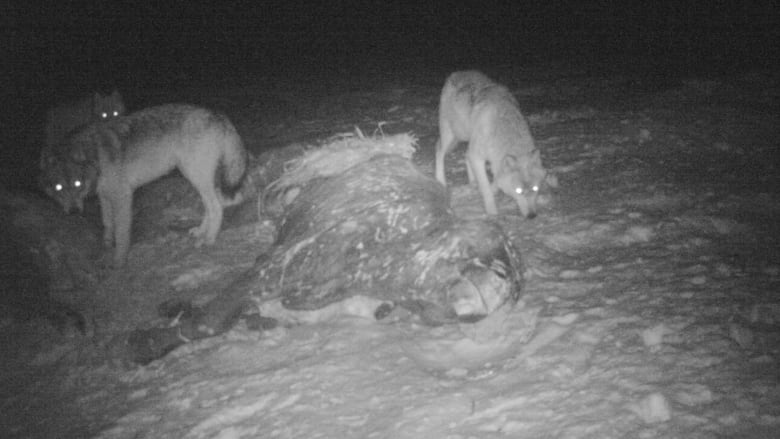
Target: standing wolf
<point>116,156</point>
<point>64,118</point>
<point>485,114</point>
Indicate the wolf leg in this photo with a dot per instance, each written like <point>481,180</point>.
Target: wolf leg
<point>445,144</point>
<point>206,232</point>
<point>469,171</point>
<point>212,203</point>
<point>122,208</point>
<point>107,215</point>
<point>477,165</point>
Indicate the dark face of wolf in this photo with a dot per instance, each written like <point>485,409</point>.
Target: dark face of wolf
<point>108,106</point>
<point>522,178</point>
<point>68,183</point>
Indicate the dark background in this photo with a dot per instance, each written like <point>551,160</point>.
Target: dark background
<point>54,50</point>
<point>54,44</point>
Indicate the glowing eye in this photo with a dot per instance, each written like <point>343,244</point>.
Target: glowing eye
<point>104,115</point>
<point>77,183</point>
<point>116,113</point>
<point>535,188</point>
<point>519,190</point>
<point>57,187</point>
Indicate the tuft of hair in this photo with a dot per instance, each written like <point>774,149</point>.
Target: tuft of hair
<point>339,153</point>
<point>231,169</point>
<point>225,178</point>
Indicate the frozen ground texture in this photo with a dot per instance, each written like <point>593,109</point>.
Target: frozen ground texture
<point>652,291</point>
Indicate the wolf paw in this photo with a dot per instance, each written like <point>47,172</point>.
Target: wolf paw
<point>108,239</point>
<point>202,238</point>
<point>199,233</point>
<point>105,261</point>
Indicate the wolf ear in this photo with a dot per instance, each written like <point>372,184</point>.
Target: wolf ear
<point>47,159</point>
<point>535,157</point>
<point>78,155</point>
<point>510,161</point>
<point>114,97</point>
<point>551,180</point>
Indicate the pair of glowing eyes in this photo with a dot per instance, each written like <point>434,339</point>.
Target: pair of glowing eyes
<point>58,187</point>
<point>519,190</point>
<point>105,115</point>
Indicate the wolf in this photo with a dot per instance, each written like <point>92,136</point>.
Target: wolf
<point>475,109</point>
<point>66,117</point>
<point>114,157</point>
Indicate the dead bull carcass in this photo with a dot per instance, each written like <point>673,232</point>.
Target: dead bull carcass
<point>383,229</point>
<point>379,229</point>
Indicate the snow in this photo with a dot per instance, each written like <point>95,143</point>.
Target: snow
<point>650,308</point>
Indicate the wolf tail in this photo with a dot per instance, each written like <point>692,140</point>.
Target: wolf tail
<point>232,164</point>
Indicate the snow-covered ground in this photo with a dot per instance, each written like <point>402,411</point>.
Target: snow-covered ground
<point>650,308</point>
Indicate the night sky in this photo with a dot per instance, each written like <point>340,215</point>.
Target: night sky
<point>61,42</point>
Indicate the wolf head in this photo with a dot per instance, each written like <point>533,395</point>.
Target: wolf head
<point>67,181</point>
<point>522,177</point>
<point>107,106</point>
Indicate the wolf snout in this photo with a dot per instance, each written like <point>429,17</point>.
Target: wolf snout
<point>527,207</point>
<point>72,206</point>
